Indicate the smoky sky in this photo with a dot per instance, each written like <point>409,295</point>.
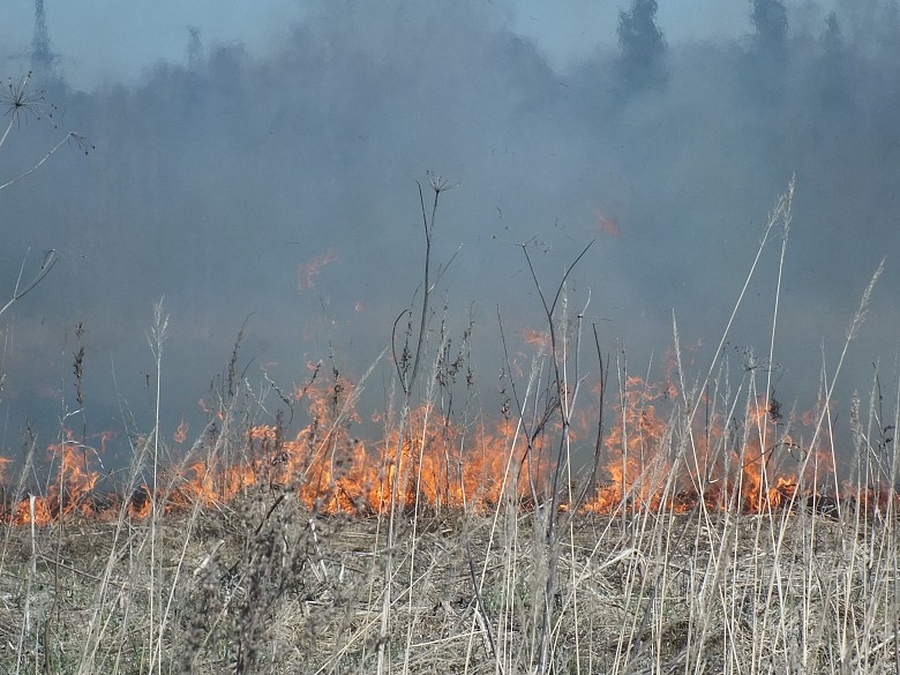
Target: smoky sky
<point>276,195</point>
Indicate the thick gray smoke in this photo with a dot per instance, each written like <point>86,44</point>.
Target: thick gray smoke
<point>280,195</point>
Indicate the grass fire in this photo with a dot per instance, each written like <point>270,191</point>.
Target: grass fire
<point>591,520</point>
<point>433,464</point>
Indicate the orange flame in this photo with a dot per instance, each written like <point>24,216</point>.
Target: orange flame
<point>309,270</point>
<point>4,464</point>
<point>537,338</point>
<point>608,225</point>
<point>180,435</point>
<point>72,492</point>
<point>653,459</point>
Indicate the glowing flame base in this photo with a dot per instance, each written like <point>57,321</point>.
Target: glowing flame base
<point>425,462</point>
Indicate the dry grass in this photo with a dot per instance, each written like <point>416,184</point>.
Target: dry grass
<point>296,592</point>
<point>259,582</point>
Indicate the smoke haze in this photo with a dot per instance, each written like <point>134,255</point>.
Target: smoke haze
<point>278,193</point>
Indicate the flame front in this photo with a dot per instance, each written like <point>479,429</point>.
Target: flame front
<point>72,492</point>
<point>654,457</point>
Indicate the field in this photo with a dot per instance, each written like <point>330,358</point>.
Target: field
<point>593,526</point>
<point>263,585</point>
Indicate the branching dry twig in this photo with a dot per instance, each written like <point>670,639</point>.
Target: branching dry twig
<point>51,257</point>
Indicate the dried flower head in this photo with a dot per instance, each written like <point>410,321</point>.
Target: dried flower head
<point>21,102</point>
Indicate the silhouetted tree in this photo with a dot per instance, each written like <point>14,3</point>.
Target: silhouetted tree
<point>763,68</point>
<point>195,55</point>
<point>832,73</point>
<point>769,18</point>
<point>832,38</point>
<point>642,58</point>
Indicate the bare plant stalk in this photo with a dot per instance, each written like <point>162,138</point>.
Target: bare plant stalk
<point>99,624</point>
<point>407,382</point>
<point>51,257</point>
<point>564,400</point>
<point>423,440</point>
<point>591,479</point>
<point>32,572</point>
<point>775,583</point>
<point>774,218</point>
<point>71,137</point>
<point>156,339</point>
<point>426,290</point>
<point>22,102</point>
<point>784,210</point>
<point>438,185</point>
<point>622,377</point>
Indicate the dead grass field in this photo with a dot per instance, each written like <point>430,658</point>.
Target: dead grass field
<point>265,586</point>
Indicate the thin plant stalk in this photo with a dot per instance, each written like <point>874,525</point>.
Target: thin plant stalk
<point>156,339</point>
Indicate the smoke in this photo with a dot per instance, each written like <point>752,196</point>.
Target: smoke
<point>279,194</point>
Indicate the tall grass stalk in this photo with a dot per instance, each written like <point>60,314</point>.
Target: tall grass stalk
<point>156,339</point>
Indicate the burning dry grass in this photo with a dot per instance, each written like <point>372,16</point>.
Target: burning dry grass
<point>441,550</point>
<point>707,532</point>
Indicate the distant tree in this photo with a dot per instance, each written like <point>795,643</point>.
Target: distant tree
<point>195,50</point>
<point>832,38</point>
<point>872,27</point>
<point>833,74</point>
<point>769,19</point>
<point>642,57</point>
<point>864,21</point>
<point>762,70</point>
